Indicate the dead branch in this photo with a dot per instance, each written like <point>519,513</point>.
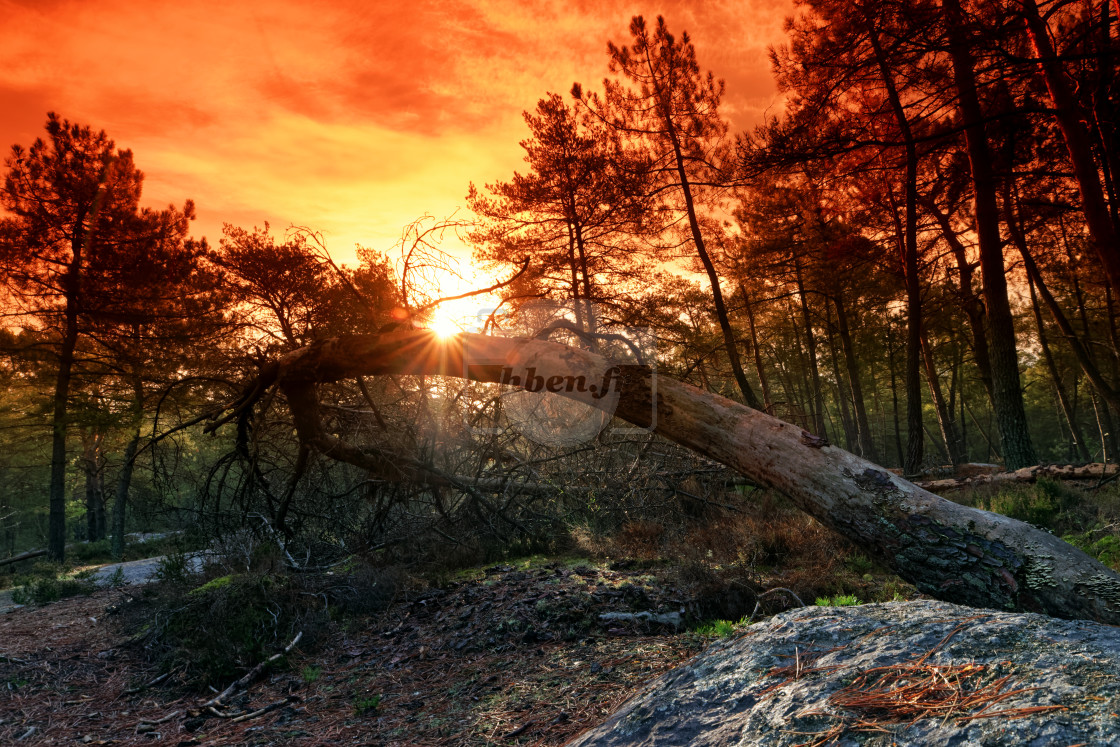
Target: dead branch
<point>22,556</point>
<point>147,724</point>
<point>758,600</point>
<point>261,711</point>
<point>255,672</point>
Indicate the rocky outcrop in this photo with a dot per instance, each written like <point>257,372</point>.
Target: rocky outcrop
<point>909,673</point>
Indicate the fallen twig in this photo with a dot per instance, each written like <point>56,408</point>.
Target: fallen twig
<point>252,675</point>
<point>261,711</point>
<point>758,601</point>
<point>520,730</point>
<point>148,724</point>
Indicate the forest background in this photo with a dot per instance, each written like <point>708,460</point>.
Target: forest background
<point>914,260</point>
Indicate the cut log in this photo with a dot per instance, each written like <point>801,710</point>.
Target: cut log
<point>951,552</point>
<point>1096,471</point>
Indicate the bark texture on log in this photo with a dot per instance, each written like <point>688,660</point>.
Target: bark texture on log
<point>952,552</point>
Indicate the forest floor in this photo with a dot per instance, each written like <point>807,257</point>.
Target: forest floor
<point>511,655</point>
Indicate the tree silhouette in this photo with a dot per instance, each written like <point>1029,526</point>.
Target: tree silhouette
<point>664,101</point>
<point>575,213</point>
<point>78,251</point>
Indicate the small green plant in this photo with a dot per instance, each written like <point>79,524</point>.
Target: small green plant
<point>310,674</point>
<point>892,591</point>
<point>212,585</point>
<point>365,705</point>
<point>37,591</point>
<point>90,552</point>
<point>217,631</point>
<point>840,600</point>
<point>719,628</point>
<point>173,568</point>
<point>1039,504</point>
<point>117,579</point>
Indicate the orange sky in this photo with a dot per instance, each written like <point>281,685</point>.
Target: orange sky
<point>352,118</point>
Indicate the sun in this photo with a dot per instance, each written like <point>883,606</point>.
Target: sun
<point>443,325</point>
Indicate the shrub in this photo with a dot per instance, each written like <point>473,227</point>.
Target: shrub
<point>89,552</point>
<point>1039,504</point>
<point>720,628</point>
<point>1105,549</point>
<point>47,589</point>
<point>174,568</point>
<point>214,632</point>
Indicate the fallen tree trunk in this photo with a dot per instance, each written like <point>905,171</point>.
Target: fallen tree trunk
<point>1096,471</point>
<point>949,551</point>
<point>23,556</point>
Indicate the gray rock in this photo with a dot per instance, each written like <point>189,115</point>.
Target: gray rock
<point>781,682</point>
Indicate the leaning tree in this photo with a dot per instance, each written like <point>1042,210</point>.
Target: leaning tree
<point>949,551</point>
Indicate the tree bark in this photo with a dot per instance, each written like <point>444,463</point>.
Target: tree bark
<point>1018,451</point>
<point>124,477</point>
<point>816,393</point>
<point>949,431</point>
<point>863,424</point>
<point>1059,388</point>
<point>947,550</point>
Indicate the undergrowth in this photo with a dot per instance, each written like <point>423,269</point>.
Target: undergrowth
<point>47,582</point>
<point>207,629</point>
<point>1083,516</point>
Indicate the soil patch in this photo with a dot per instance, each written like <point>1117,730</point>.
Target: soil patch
<point>512,656</point>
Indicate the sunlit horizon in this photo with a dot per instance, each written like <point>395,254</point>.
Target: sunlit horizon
<point>352,119</point>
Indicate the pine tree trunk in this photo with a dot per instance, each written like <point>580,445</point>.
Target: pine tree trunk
<point>909,243</point>
<point>767,400</point>
<point>124,478</point>
<point>816,392</point>
<point>1068,112</point>
<point>944,415</point>
<point>894,405</point>
<point>866,442</point>
<point>1007,392</point>
<point>1055,377</point>
<point>847,421</point>
<point>56,527</point>
<point>970,302</point>
<point>720,307</point>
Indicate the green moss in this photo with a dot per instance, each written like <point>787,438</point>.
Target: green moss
<point>213,584</point>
